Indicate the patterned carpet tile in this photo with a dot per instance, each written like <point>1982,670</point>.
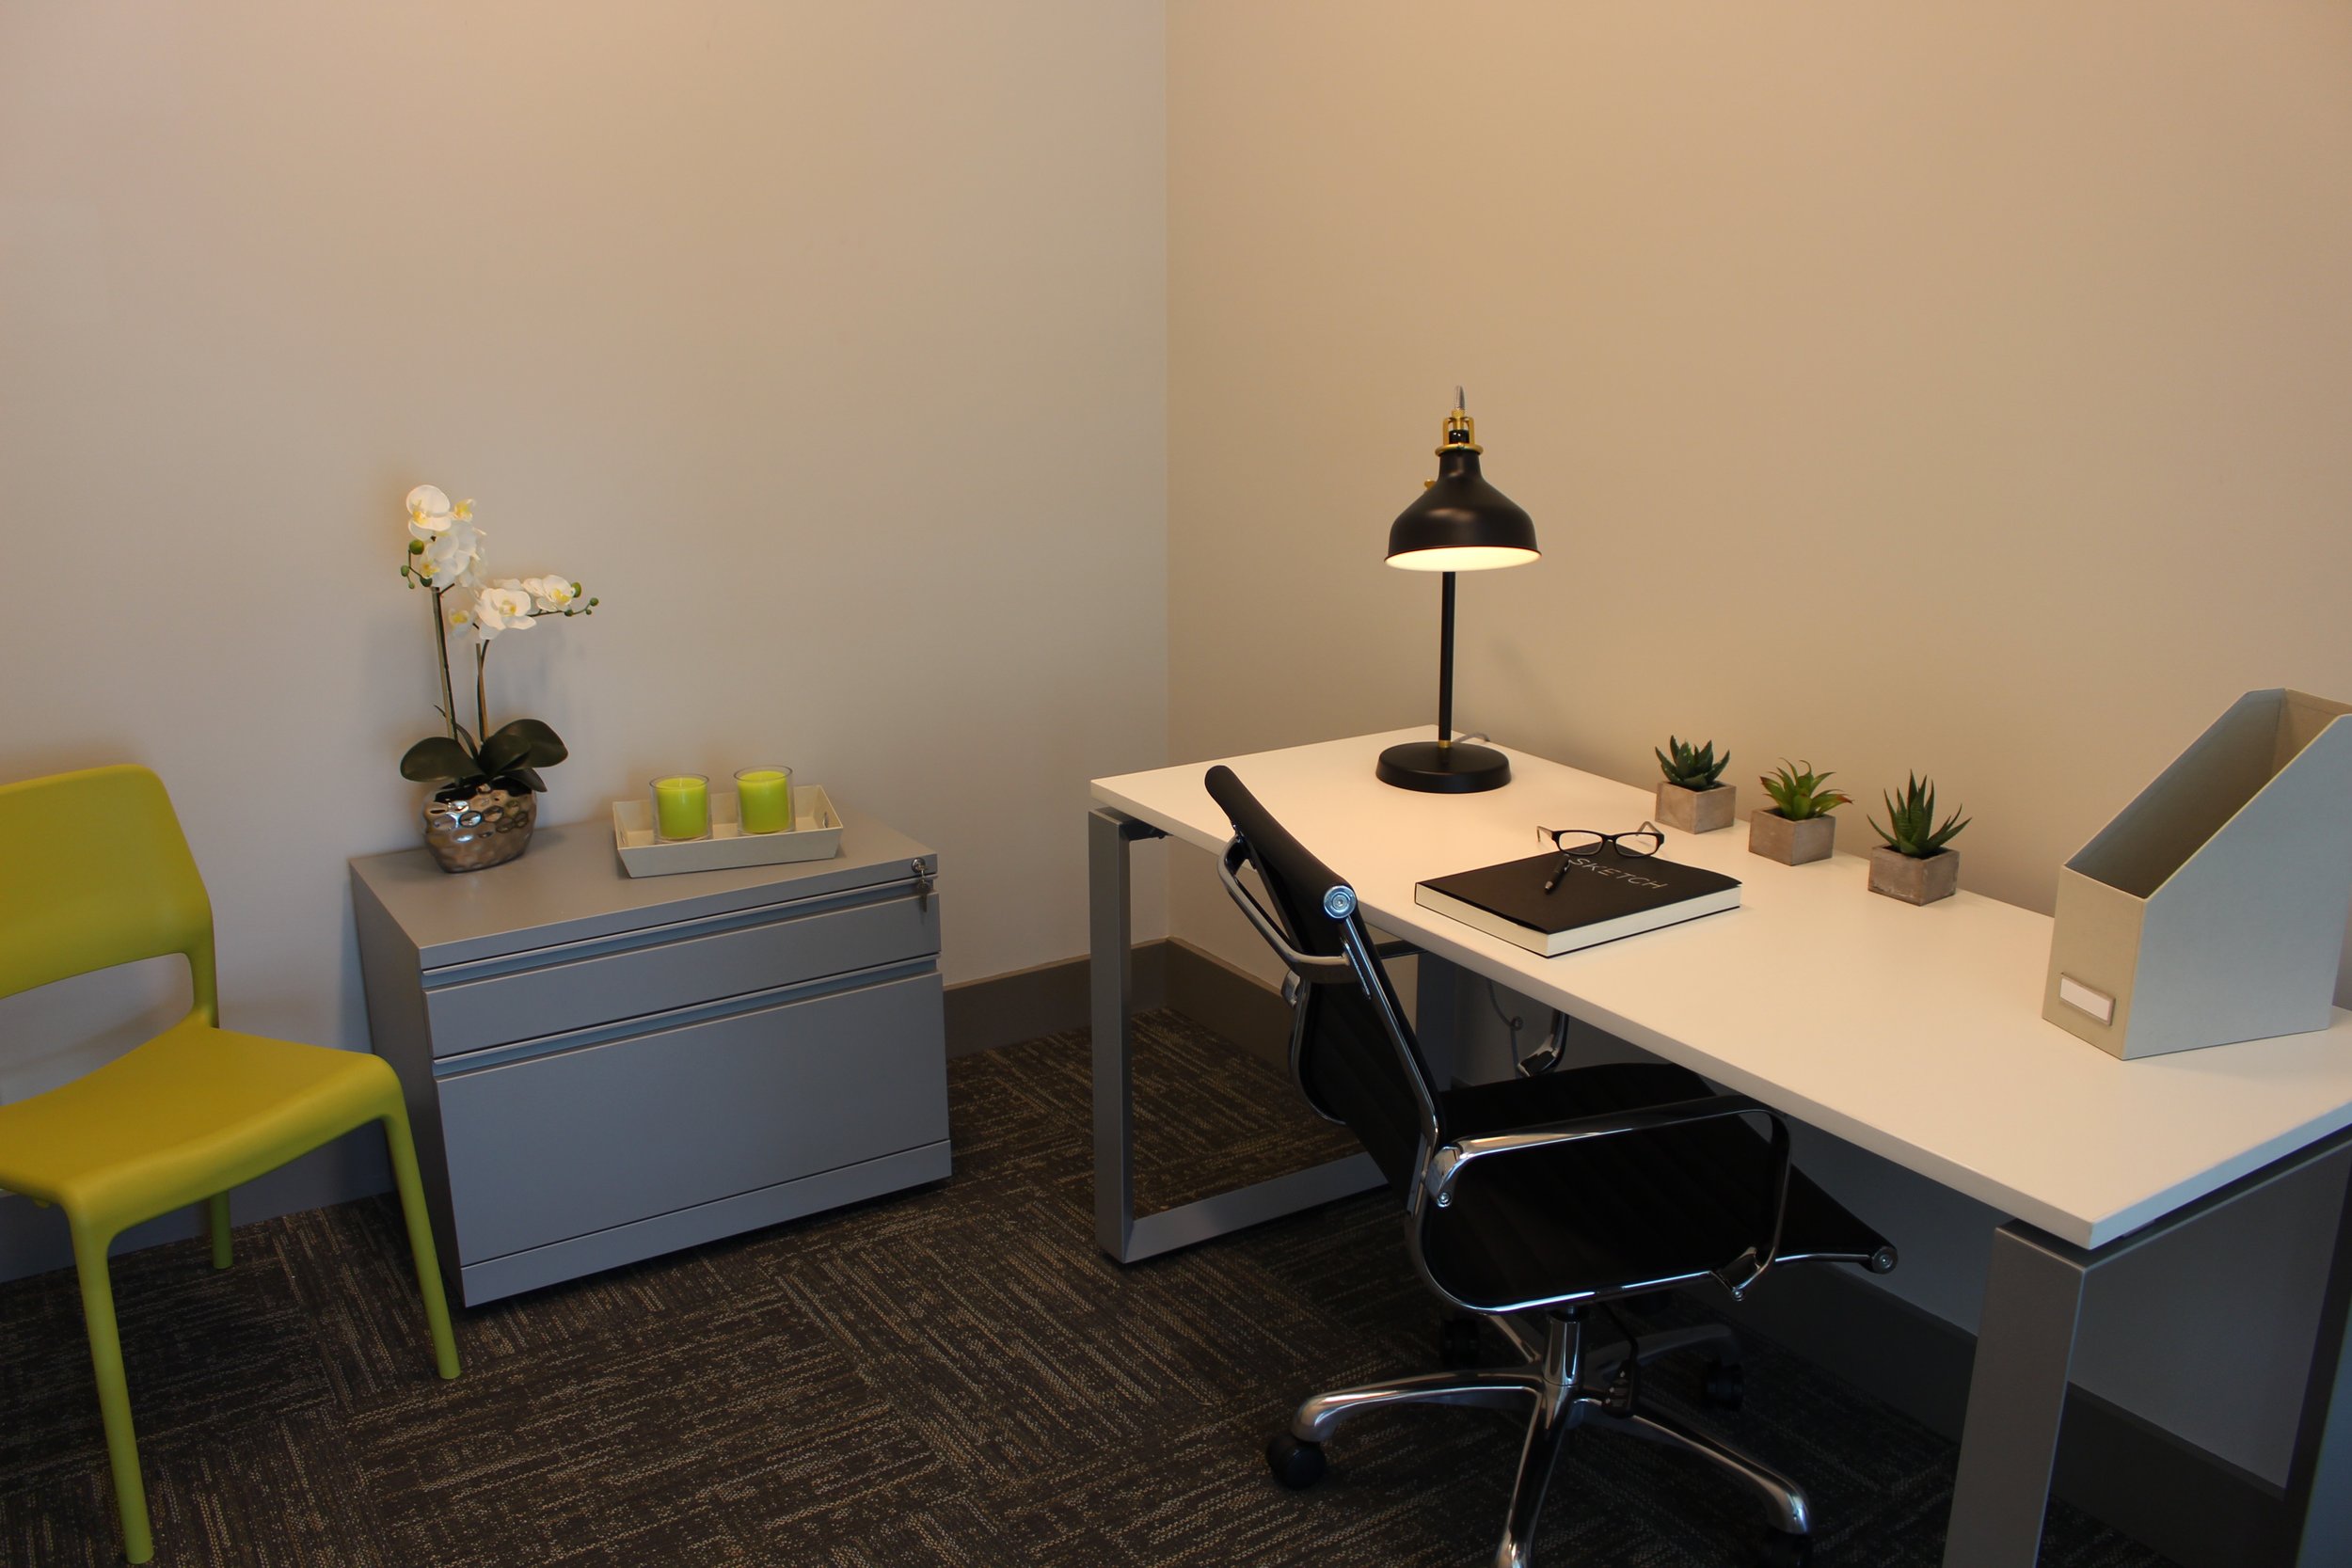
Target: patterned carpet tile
<point>276,1494</point>
<point>206,1355</point>
<point>1206,1115</point>
<point>954,1533</point>
<point>651,1442</point>
<point>1020,1361</point>
<point>955,1376</point>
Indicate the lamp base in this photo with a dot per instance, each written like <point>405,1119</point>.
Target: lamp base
<point>1460,769</point>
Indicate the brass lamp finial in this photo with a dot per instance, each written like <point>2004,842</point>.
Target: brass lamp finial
<point>1461,431</point>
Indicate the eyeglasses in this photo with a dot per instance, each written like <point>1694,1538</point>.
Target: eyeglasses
<point>1636,843</point>
<point>1643,840</point>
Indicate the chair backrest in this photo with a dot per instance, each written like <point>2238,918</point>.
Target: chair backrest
<point>94,872</point>
<point>1356,1057</point>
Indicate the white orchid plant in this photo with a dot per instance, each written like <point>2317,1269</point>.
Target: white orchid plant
<point>445,556</point>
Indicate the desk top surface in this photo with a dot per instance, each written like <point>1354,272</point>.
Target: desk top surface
<point>1914,1032</point>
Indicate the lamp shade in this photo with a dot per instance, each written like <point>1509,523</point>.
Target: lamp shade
<point>1461,523</point>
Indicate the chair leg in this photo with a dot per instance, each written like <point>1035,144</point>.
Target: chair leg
<point>217,1221</point>
<point>114,1394</point>
<point>1498,1390</point>
<point>1784,1500</point>
<point>1674,1341</point>
<point>403,1153</point>
<point>1547,1431</point>
<point>1654,1347</point>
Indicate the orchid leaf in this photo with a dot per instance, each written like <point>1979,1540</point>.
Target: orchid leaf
<point>437,757</point>
<point>522,743</point>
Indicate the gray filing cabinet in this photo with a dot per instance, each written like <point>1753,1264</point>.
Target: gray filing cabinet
<point>600,1069</point>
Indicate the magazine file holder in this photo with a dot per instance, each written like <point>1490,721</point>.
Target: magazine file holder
<point>2213,907</point>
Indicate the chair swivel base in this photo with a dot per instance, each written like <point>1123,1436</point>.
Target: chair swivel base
<point>1561,1390</point>
<point>1460,769</point>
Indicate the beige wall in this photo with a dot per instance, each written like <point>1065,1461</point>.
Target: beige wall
<point>826,343</point>
<point>1963,389</point>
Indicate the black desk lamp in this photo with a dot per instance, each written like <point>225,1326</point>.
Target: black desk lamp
<point>1460,524</point>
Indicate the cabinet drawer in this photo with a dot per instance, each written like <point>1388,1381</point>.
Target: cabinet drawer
<point>556,1146</point>
<point>629,977</point>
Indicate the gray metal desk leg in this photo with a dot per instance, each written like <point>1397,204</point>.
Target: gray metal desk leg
<point>2033,1296</point>
<point>2319,1478</point>
<point>1117,1229</point>
<point>1111,967</point>
<point>1438,987</point>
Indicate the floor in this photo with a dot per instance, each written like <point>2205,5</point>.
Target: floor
<point>955,1376</point>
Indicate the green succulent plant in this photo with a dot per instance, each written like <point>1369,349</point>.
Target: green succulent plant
<point>1692,767</point>
<point>1911,818</point>
<point>1798,793</point>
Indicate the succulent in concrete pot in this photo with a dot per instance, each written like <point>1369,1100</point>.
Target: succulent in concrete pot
<point>1914,865</point>
<point>1692,795</point>
<point>1796,827</point>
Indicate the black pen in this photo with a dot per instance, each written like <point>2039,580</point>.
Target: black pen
<point>1558,875</point>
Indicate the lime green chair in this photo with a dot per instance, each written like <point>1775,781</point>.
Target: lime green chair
<point>94,873</point>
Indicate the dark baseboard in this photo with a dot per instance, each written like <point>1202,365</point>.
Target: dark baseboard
<point>1229,1003</point>
<point>1004,1009</point>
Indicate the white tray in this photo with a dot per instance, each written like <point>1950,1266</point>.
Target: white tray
<point>815,835</point>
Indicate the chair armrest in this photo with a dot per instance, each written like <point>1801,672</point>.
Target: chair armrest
<point>1445,1164</point>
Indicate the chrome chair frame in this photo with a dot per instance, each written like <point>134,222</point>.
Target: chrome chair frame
<point>1561,1384</point>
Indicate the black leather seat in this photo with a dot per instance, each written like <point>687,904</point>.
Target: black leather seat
<point>1664,1206</point>
<point>1527,1201</point>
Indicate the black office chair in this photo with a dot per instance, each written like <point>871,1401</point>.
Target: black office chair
<point>1541,1196</point>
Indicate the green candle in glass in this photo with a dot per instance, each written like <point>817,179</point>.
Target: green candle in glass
<point>764,797</point>
<point>682,807</point>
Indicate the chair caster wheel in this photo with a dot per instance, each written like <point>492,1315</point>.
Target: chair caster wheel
<point>1458,1344</point>
<point>1725,1385</point>
<point>1296,1465</point>
<point>1780,1549</point>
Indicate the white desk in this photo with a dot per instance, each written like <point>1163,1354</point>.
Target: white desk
<point>1912,1032</point>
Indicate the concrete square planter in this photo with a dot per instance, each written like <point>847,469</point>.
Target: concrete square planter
<point>1696,811</point>
<point>1777,838</point>
<point>1915,881</point>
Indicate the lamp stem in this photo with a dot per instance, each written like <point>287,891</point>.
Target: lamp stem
<point>1445,667</point>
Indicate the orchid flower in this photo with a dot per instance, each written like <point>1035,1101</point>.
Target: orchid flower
<point>552,595</point>
<point>504,607</point>
<point>444,553</point>
<point>452,558</point>
<point>428,510</point>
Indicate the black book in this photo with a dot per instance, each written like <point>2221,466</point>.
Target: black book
<point>1599,897</point>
